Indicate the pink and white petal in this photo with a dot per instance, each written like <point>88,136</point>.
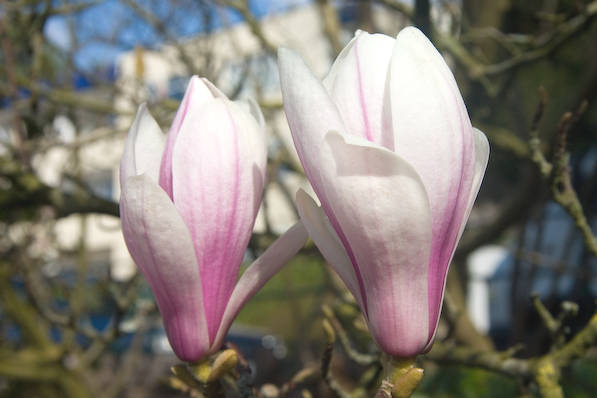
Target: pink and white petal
<point>311,113</point>
<point>480,164</point>
<point>161,246</point>
<point>481,158</point>
<point>143,147</point>
<point>253,141</point>
<point>197,94</point>
<point>382,207</point>
<point>258,273</point>
<point>433,132</point>
<point>357,85</point>
<point>326,239</point>
<point>431,126</point>
<point>218,170</point>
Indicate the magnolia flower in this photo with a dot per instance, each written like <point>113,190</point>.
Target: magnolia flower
<point>388,147</point>
<point>188,206</point>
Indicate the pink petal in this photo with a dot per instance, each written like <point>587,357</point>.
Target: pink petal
<point>382,207</point>
<point>143,147</point>
<point>480,164</point>
<point>357,85</point>
<point>197,94</point>
<point>218,170</point>
<point>433,133</point>
<point>258,273</point>
<point>481,158</point>
<point>326,239</point>
<point>161,246</point>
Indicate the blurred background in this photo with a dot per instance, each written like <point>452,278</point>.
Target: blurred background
<point>77,320</point>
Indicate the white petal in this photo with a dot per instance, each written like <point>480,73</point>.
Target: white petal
<point>310,113</point>
<point>253,108</point>
<point>143,147</point>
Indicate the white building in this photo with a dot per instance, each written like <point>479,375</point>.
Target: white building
<point>229,56</point>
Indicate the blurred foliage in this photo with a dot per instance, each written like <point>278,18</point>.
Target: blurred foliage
<point>289,303</point>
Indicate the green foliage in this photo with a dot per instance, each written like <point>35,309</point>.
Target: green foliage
<point>290,300</point>
<point>579,381</point>
<point>463,382</point>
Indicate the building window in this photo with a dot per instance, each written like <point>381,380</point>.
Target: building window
<point>177,86</point>
<point>101,183</point>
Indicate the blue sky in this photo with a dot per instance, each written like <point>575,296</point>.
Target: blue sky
<point>113,22</point>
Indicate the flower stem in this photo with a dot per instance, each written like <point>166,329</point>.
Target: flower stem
<point>401,377</point>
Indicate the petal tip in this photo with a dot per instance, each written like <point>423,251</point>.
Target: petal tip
<point>360,32</point>
<point>415,41</point>
<point>411,32</point>
<point>213,90</point>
